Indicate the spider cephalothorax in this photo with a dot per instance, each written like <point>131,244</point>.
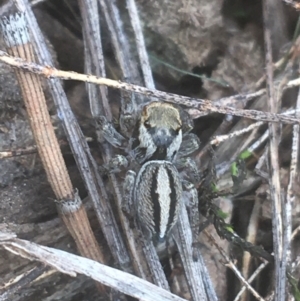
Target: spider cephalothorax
<point>158,133</point>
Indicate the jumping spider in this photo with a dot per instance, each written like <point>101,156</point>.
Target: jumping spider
<point>159,146</point>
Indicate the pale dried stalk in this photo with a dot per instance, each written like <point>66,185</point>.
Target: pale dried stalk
<point>274,182</point>
<point>251,237</point>
<point>140,43</point>
<point>294,4</point>
<point>92,39</point>
<point>18,44</point>
<point>85,162</point>
<point>221,138</point>
<point>290,196</point>
<point>264,137</point>
<point>121,45</point>
<point>71,264</point>
<point>200,104</point>
<point>68,202</point>
<point>192,268</point>
<point>293,83</point>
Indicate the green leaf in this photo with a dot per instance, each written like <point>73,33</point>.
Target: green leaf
<point>245,154</point>
<point>229,228</point>
<point>222,214</point>
<point>214,187</point>
<point>234,169</point>
<point>294,284</point>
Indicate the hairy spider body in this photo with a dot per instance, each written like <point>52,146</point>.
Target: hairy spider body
<point>156,142</point>
<point>158,196</point>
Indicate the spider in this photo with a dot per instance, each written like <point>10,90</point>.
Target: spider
<point>159,147</point>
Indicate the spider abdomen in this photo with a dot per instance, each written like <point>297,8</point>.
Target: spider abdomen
<point>158,197</point>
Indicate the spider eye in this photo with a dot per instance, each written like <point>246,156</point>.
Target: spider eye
<point>147,124</point>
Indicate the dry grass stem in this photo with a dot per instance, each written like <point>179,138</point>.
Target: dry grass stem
<point>251,237</point>
<point>19,152</point>
<point>72,264</point>
<point>199,104</point>
<point>274,139</point>
<point>121,46</point>
<point>290,196</point>
<point>68,202</point>
<point>94,47</point>
<point>140,44</point>
<point>221,138</point>
<point>192,268</point>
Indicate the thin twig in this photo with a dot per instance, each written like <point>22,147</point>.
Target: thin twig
<point>251,237</point>
<point>94,47</point>
<point>294,4</point>
<point>18,152</point>
<point>264,137</point>
<point>35,2</point>
<point>221,138</point>
<point>31,149</point>
<point>274,182</point>
<point>192,268</point>
<point>251,279</point>
<point>121,44</point>
<point>295,233</point>
<point>140,43</point>
<point>72,264</point>
<point>199,104</point>
<point>290,196</point>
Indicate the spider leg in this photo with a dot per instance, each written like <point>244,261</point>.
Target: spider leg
<point>187,121</point>
<point>128,207</point>
<point>190,143</point>
<point>106,132</point>
<point>116,164</point>
<point>188,169</point>
<point>191,198</point>
<point>128,114</point>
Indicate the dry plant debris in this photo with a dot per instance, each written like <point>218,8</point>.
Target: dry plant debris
<point>196,36</point>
